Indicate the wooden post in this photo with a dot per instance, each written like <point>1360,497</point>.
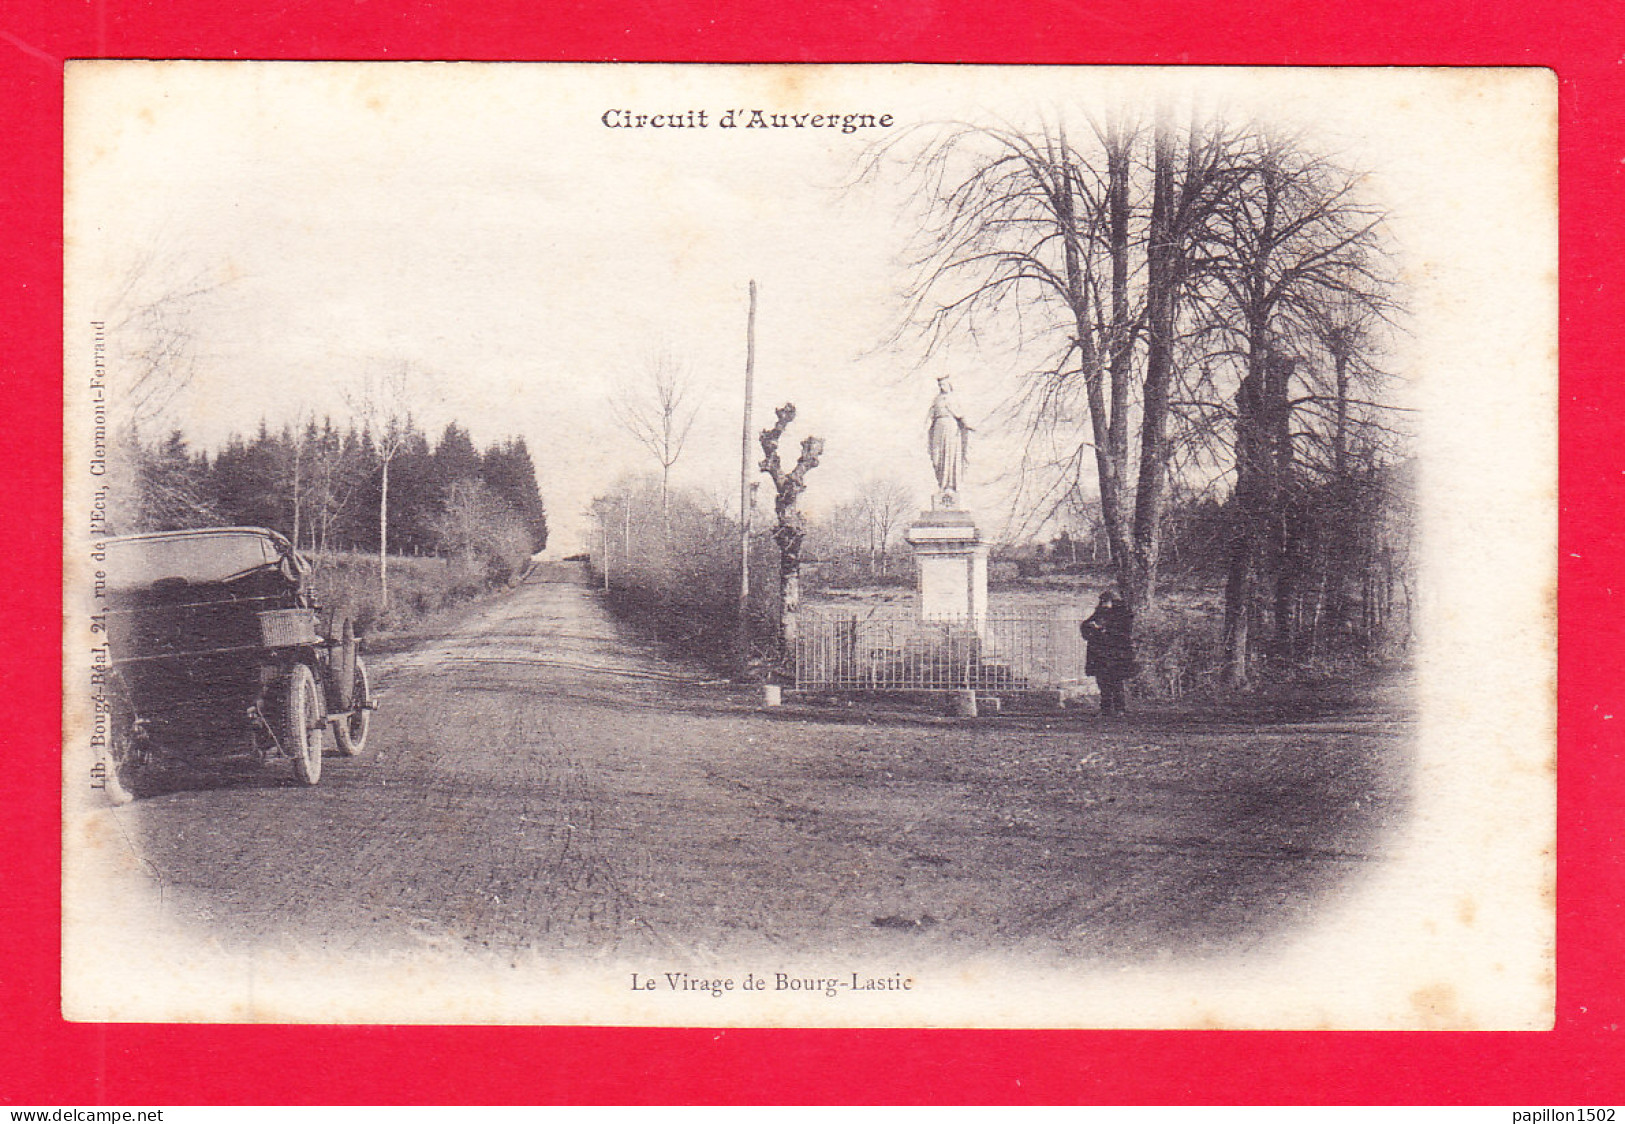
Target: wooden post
<point>383,539</point>
<point>743,638</point>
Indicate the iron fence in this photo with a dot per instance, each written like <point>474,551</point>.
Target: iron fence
<point>857,650</point>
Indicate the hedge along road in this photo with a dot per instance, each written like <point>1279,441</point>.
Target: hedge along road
<point>541,782</point>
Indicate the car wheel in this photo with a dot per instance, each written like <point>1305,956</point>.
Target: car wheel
<point>303,720</point>
<point>125,753</point>
<point>350,732</point>
<point>120,782</point>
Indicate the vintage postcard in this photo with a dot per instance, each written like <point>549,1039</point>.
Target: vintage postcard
<point>810,545</point>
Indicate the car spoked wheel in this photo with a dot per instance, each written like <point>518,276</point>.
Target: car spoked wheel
<point>350,732</point>
<point>304,718</point>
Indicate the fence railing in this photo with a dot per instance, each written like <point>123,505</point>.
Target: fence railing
<point>856,650</point>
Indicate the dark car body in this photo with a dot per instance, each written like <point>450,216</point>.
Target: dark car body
<point>218,649</point>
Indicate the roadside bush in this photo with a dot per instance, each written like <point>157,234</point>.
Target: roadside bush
<point>674,574</point>
<point>1004,573</point>
<point>347,585</point>
<point>1180,648</point>
<point>481,531</point>
<point>1178,645</point>
<point>854,573</point>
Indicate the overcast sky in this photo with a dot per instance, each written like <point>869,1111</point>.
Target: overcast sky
<point>483,223</point>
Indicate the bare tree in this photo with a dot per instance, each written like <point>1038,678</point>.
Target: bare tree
<point>791,528</point>
<point>1091,268</point>
<point>1192,303</point>
<point>299,440</point>
<point>475,525</point>
<point>1300,274</point>
<point>153,316</point>
<point>845,533</point>
<point>659,412</point>
<point>335,476</point>
<point>382,404</point>
<point>881,505</point>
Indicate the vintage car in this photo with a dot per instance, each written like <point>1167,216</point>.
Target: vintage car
<point>218,650</point>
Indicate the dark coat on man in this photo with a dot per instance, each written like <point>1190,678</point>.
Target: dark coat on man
<point>1110,633</point>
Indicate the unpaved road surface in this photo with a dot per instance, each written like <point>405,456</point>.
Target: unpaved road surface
<point>541,782</point>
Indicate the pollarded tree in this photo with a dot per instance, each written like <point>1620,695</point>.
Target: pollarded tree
<point>791,529</point>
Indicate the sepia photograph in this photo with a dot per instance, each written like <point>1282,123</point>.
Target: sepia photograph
<point>860,545</point>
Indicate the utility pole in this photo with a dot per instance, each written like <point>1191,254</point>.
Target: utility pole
<point>743,640</point>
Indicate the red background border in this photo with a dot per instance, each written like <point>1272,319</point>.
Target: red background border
<point>1582,1061</point>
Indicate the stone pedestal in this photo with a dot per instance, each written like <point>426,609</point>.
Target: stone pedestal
<point>952,563</point>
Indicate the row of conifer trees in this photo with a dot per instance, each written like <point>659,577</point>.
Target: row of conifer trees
<point>321,485</point>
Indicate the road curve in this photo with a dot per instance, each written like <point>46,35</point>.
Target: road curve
<point>538,780</point>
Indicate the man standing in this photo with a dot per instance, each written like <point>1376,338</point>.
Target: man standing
<point>1110,659</point>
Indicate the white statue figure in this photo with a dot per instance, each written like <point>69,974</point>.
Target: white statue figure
<point>949,442</point>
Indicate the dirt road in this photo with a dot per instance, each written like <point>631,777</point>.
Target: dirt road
<point>539,781</point>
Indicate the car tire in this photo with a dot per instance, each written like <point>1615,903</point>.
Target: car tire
<point>304,718</point>
<point>125,755</point>
<point>350,732</point>
<point>119,785</point>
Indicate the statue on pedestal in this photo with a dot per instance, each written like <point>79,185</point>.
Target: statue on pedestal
<point>948,440</point>
<point>948,547</point>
